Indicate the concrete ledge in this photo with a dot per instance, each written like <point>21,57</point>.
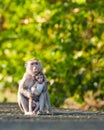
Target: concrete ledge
<point>12,118</point>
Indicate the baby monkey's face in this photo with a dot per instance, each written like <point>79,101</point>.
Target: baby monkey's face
<point>40,78</point>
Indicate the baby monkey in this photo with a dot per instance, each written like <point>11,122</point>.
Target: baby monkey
<point>36,90</point>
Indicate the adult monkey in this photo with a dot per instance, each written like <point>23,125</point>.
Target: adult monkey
<point>33,67</point>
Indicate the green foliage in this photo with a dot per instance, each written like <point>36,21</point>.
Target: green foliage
<point>66,36</point>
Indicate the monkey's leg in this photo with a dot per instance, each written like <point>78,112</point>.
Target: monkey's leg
<point>41,103</point>
<point>30,105</point>
<point>24,102</point>
<point>30,112</point>
<point>47,102</point>
<point>36,107</point>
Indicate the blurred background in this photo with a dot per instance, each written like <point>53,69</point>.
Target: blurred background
<point>67,36</point>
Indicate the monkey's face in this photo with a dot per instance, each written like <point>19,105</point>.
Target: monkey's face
<point>33,67</point>
<point>40,78</point>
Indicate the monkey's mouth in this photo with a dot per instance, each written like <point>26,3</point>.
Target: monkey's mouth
<point>35,71</point>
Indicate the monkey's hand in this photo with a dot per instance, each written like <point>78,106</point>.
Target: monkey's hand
<point>26,93</point>
<point>29,95</point>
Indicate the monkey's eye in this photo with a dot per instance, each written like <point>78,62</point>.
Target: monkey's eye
<point>36,63</point>
<point>32,63</point>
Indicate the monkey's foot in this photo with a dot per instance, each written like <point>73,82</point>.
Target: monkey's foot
<point>35,113</point>
<point>28,113</point>
<point>40,113</point>
<point>49,111</point>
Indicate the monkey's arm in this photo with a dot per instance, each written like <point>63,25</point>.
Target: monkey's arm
<point>45,86</point>
<point>22,88</point>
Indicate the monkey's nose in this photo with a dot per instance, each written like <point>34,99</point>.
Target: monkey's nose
<point>34,68</point>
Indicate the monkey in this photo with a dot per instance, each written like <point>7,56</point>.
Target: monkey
<point>42,87</point>
<point>36,90</point>
<point>33,67</point>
